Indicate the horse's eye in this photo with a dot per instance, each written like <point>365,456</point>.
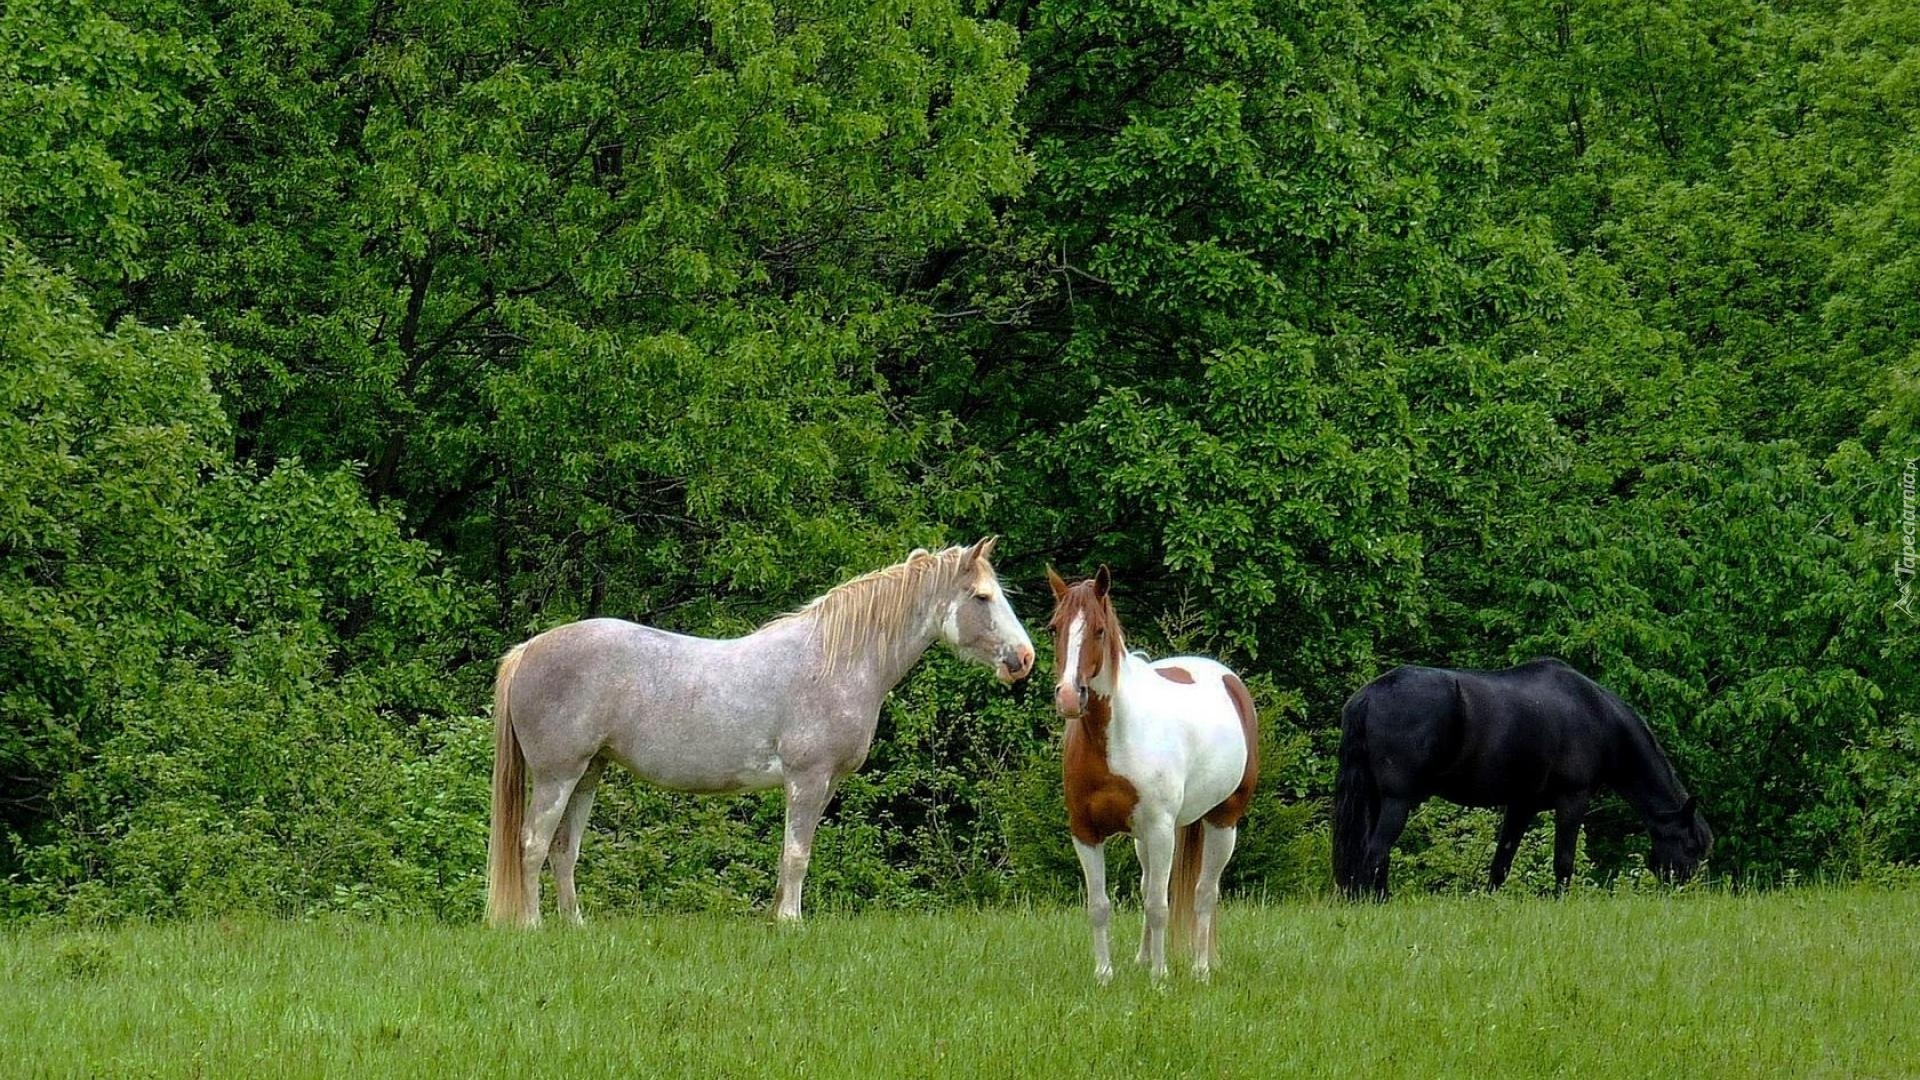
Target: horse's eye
<point>982,597</point>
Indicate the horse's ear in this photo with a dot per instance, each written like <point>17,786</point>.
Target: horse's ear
<point>1057,584</point>
<point>1103,580</point>
<point>982,549</point>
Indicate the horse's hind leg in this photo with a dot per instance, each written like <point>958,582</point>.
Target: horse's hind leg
<point>544,812</point>
<point>1157,844</point>
<point>1146,938</point>
<point>1213,862</point>
<point>1386,830</point>
<point>566,841</point>
<point>1566,838</point>
<point>1512,830</point>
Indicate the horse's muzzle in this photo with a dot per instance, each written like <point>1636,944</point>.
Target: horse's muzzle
<point>1014,664</point>
<point>1069,701</point>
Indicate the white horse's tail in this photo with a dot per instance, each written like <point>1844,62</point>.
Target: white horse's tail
<point>1189,849</point>
<point>506,872</point>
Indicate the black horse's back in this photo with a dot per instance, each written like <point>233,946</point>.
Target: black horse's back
<point>1537,736</point>
<point>1490,738</point>
<point>1415,723</point>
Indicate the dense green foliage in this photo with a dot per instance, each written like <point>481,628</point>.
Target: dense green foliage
<point>1701,984</point>
<point>344,343</point>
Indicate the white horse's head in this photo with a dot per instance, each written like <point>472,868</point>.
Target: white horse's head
<point>979,624</point>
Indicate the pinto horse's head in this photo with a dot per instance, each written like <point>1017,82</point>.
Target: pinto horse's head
<point>1681,841</point>
<point>1087,640</point>
<point>980,624</point>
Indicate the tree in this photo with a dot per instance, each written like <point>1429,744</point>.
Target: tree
<point>594,295</point>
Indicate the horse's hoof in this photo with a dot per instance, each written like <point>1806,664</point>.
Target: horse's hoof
<point>1203,973</point>
<point>1103,975</point>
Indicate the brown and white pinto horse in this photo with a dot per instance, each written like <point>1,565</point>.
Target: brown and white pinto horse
<point>1165,750</point>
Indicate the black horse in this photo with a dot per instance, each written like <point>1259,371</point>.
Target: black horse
<point>1540,736</point>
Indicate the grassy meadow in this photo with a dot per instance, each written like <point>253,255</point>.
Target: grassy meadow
<point>1806,982</point>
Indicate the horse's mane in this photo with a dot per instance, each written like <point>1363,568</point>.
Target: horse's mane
<point>872,607</point>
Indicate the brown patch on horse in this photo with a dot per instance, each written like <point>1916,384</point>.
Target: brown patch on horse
<point>1099,801</point>
<point>1228,813</point>
<point>1175,674</point>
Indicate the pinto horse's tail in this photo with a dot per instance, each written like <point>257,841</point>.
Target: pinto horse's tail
<point>1189,849</point>
<point>1356,800</point>
<point>506,873</point>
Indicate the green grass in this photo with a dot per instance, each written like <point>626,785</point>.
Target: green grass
<point>1809,982</point>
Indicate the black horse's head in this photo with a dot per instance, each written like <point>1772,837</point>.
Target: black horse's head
<point>1681,841</point>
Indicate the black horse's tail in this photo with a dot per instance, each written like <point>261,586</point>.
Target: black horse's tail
<point>1356,800</point>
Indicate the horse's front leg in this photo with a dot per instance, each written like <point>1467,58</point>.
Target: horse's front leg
<point>1156,843</point>
<point>1093,867</point>
<point>807,796</point>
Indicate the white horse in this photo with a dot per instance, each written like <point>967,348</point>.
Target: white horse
<point>793,704</point>
<point>1166,750</point>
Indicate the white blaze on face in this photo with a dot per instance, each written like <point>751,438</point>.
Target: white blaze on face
<point>1070,667</point>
